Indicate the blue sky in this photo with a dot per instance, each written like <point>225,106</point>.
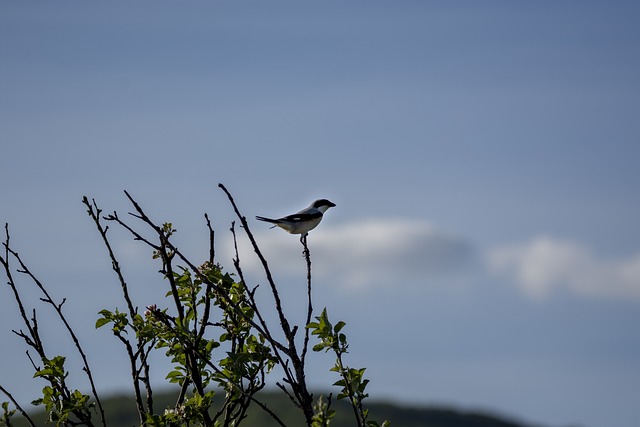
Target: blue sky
<point>483,157</point>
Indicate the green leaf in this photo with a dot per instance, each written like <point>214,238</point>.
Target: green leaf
<point>319,347</point>
<point>175,376</point>
<point>101,322</point>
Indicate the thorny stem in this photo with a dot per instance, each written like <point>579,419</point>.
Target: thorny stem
<point>298,385</point>
<point>307,257</point>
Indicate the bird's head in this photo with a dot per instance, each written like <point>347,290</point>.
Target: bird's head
<point>322,205</point>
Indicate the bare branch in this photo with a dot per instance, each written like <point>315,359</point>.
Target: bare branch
<point>274,290</point>
<point>72,334</point>
<point>94,212</point>
<point>18,407</point>
<point>4,260</point>
<point>307,257</point>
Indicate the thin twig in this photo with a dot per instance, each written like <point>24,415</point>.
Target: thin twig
<point>274,290</point>
<point>253,304</point>
<point>5,263</point>
<point>290,379</point>
<point>212,235</point>
<point>18,407</point>
<point>94,212</point>
<point>307,257</point>
<point>58,310</point>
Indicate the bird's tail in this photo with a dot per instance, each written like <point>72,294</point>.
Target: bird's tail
<point>272,221</point>
<point>261,218</point>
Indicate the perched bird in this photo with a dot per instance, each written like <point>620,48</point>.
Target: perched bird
<point>303,221</point>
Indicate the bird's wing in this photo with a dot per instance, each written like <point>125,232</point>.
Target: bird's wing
<point>303,216</point>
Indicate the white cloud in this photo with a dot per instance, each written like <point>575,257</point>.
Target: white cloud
<point>366,254</point>
<point>545,265</point>
<point>387,253</point>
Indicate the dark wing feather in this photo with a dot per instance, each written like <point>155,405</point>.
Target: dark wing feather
<point>299,217</point>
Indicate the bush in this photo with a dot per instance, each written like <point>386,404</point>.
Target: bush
<point>212,329</point>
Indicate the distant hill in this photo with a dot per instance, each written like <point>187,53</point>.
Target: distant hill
<point>121,412</point>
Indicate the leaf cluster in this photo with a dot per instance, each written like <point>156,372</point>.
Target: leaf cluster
<point>352,382</point>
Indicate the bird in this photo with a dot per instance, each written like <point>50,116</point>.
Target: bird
<point>304,221</point>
